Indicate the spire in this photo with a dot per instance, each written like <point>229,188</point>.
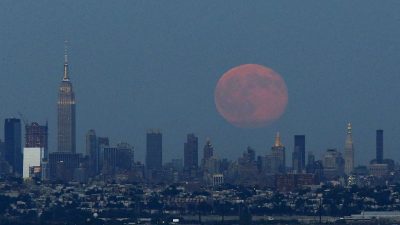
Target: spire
<point>349,138</point>
<point>349,128</point>
<point>65,61</point>
<point>278,142</point>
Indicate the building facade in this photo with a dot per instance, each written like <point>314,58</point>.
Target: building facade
<point>102,143</point>
<point>154,150</point>
<point>12,144</point>
<point>63,165</point>
<point>379,146</point>
<point>66,134</point>
<point>333,164</point>
<point>92,152</point>
<point>191,147</point>
<point>349,151</point>
<point>32,161</point>
<point>118,159</point>
<point>278,156</point>
<point>299,153</point>
<point>36,136</point>
<point>208,151</point>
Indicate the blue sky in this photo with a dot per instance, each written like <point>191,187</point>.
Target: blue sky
<point>137,65</point>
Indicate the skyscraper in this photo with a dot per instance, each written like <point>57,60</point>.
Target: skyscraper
<point>333,163</point>
<point>379,146</point>
<point>35,150</point>
<point>191,152</point>
<point>36,136</point>
<point>118,159</point>
<point>102,143</point>
<point>299,153</point>
<point>1,149</point>
<point>62,165</point>
<point>154,150</point>
<point>12,144</point>
<point>208,151</point>
<point>349,152</point>
<point>92,151</point>
<point>66,113</point>
<point>278,153</point>
<point>126,156</point>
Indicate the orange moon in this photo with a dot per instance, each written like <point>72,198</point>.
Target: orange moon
<point>251,96</point>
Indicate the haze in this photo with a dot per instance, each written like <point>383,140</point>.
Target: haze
<point>154,64</point>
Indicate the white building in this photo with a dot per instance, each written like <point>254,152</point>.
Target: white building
<point>218,179</point>
<point>32,158</point>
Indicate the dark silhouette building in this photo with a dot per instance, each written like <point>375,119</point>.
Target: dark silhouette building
<point>102,142</point>
<point>12,144</point>
<point>379,146</point>
<point>118,159</point>
<point>153,150</point>
<point>66,114</point>
<point>208,151</point>
<point>1,149</point>
<point>36,136</point>
<point>63,165</point>
<point>92,152</point>
<point>299,153</point>
<point>191,152</point>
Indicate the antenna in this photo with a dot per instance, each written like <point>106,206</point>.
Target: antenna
<point>66,51</point>
<point>65,61</point>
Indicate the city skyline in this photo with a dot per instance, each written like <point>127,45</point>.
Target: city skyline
<point>199,112</point>
<point>123,89</point>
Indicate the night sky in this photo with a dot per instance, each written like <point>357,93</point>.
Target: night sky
<point>145,64</point>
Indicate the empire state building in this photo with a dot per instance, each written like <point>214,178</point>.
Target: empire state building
<point>66,113</point>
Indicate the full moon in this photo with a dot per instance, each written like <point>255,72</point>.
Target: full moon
<point>251,96</point>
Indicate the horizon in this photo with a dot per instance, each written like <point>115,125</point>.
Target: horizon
<point>142,65</point>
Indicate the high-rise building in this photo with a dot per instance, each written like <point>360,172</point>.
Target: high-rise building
<point>333,164</point>
<point>91,142</point>
<point>379,146</point>
<point>63,164</point>
<point>32,161</point>
<point>249,156</point>
<point>191,152</point>
<point>66,113</point>
<point>12,144</point>
<point>92,152</point>
<point>349,152</point>
<point>36,136</point>
<point>299,153</point>
<point>126,156</point>
<point>118,159</point>
<point>110,160</point>
<point>310,167</point>
<point>154,150</point>
<point>102,142</point>
<point>1,149</point>
<point>278,154</point>
<point>208,152</point>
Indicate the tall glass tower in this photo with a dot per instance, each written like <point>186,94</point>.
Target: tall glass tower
<point>191,152</point>
<point>154,150</point>
<point>66,113</point>
<point>12,144</point>
<point>379,146</point>
<point>299,153</point>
